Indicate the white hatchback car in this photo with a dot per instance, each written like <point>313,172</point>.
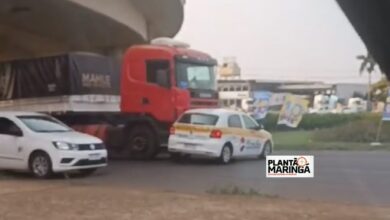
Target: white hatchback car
<point>42,145</point>
<point>218,133</point>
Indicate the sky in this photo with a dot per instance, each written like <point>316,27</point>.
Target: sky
<point>277,39</point>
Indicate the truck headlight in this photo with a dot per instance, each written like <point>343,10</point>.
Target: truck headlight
<point>64,146</point>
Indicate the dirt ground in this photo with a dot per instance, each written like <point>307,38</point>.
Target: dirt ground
<point>33,200</point>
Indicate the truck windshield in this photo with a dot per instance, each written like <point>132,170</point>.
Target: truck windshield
<point>43,124</point>
<point>195,76</point>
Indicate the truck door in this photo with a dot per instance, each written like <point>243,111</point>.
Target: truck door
<point>158,100</point>
<point>10,155</point>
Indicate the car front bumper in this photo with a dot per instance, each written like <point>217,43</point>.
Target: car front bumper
<point>76,160</point>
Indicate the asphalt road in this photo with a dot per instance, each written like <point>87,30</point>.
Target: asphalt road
<point>356,177</point>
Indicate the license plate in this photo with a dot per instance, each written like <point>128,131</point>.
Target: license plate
<point>190,146</point>
<point>94,157</point>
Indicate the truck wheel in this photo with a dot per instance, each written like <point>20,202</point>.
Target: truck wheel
<point>40,165</point>
<point>142,143</point>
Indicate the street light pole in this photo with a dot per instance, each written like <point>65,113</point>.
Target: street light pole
<point>369,92</point>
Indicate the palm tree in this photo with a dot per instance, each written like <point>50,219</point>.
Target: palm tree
<point>368,64</point>
<point>379,90</point>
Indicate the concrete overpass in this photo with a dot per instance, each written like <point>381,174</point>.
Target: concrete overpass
<point>44,27</point>
<point>371,20</point>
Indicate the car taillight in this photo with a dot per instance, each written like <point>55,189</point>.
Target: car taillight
<point>172,130</point>
<point>216,134</point>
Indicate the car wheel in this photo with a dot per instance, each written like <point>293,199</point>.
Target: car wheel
<point>86,172</point>
<point>267,150</point>
<point>226,155</point>
<point>40,165</point>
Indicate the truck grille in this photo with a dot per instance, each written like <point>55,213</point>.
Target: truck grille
<point>84,147</point>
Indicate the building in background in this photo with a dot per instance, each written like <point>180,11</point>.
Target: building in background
<point>229,69</point>
<point>232,93</point>
<point>345,91</point>
<point>237,92</point>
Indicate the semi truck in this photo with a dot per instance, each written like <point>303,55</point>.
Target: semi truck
<point>130,105</point>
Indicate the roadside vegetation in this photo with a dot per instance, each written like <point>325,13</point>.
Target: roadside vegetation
<point>356,132</point>
<point>235,190</point>
<point>305,140</point>
<point>361,131</point>
<point>313,121</point>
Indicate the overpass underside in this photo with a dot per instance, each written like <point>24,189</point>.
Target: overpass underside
<point>45,27</point>
<point>371,20</point>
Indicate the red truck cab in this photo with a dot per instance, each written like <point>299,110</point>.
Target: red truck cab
<point>163,80</point>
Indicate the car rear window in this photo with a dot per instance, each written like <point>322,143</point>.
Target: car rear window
<point>199,119</point>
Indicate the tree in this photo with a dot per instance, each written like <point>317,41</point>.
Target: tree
<point>368,64</point>
<point>379,90</point>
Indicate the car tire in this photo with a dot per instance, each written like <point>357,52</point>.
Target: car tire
<point>86,172</point>
<point>226,154</point>
<point>40,165</point>
<point>267,150</point>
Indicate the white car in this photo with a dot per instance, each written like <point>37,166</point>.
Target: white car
<point>42,145</point>
<point>218,133</point>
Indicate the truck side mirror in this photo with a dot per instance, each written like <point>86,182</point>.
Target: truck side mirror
<point>163,78</point>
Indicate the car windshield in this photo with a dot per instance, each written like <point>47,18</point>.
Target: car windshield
<point>195,76</point>
<point>44,124</point>
<point>199,119</point>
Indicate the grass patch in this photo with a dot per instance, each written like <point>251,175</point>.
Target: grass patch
<point>364,131</point>
<point>315,121</point>
<point>292,140</point>
<point>305,140</point>
<point>235,190</point>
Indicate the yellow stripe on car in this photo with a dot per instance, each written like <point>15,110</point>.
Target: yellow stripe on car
<point>200,129</point>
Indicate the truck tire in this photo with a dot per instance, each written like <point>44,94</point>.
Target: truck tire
<point>142,143</point>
